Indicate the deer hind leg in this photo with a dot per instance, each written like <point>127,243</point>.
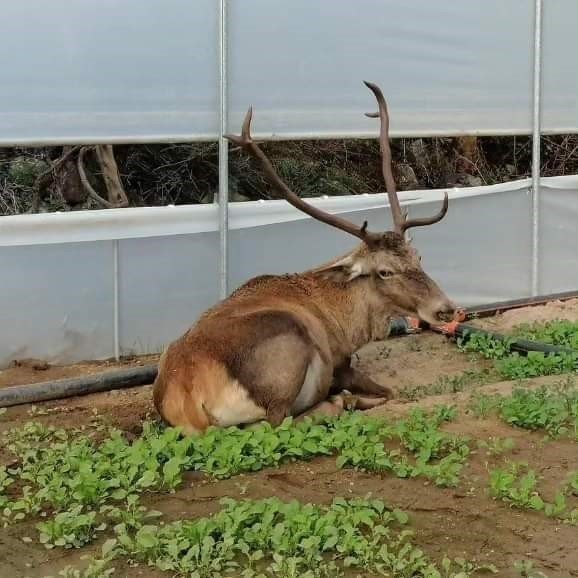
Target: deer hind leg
<point>285,376</point>
<point>348,378</point>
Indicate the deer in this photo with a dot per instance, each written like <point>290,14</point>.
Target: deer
<point>281,346</point>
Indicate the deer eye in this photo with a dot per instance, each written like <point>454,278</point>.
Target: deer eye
<point>384,274</point>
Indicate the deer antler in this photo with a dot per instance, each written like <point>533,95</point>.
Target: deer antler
<point>400,222</point>
<point>245,141</point>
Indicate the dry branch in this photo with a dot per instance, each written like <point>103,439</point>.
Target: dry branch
<point>85,182</point>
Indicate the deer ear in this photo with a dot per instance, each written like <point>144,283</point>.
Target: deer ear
<point>344,270</point>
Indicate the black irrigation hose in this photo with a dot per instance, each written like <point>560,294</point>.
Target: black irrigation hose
<point>403,326</point>
<point>131,377</point>
<point>521,346</point>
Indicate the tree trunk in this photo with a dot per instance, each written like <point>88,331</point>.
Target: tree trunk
<point>116,195</point>
<point>67,180</point>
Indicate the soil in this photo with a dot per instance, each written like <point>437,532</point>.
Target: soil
<point>26,371</point>
<point>462,521</point>
<point>505,322</point>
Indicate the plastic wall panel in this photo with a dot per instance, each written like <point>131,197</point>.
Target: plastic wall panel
<point>294,246</point>
<point>558,246</point>
<point>560,66</point>
<point>473,262</point>
<point>148,70</point>
<point>481,252</point>
<point>445,67</point>
<point>56,302</point>
<point>85,70</point>
<point>165,284</point>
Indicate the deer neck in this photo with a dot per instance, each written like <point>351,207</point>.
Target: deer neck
<point>358,313</point>
<point>370,313</point>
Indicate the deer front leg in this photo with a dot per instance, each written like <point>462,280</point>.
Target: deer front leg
<point>348,378</point>
<point>343,401</point>
<point>333,406</point>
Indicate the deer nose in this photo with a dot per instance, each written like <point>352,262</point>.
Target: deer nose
<point>446,311</point>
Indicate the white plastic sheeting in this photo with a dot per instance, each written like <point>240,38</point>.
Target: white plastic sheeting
<point>58,285</point>
<point>148,70</point>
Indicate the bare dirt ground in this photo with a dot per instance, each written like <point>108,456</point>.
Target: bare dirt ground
<point>37,371</point>
<point>462,521</point>
<point>506,321</point>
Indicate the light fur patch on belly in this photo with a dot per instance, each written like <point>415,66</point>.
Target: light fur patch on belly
<point>235,407</point>
<point>308,396</point>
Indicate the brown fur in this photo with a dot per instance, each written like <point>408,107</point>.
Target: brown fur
<point>275,331</point>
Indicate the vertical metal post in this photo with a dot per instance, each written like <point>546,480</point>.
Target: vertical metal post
<point>536,130</point>
<point>116,306</point>
<point>223,155</point>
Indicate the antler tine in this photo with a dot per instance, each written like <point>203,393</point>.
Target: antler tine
<point>400,221</point>
<point>430,220</point>
<point>246,142</point>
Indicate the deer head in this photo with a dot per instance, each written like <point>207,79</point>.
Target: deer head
<point>385,260</point>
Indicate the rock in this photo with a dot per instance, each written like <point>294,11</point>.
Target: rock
<point>472,181</point>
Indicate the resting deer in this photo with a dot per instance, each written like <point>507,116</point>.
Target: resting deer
<point>281,345</point>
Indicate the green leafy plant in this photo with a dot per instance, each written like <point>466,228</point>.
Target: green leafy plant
<point>536,364</point>
<point>485,345</point>
<point>553,409</point>
<point>517,485</point>
<point>510,364</point>
<point>59,470</point>
<point>275,538</point>
<point>556,332</point>
<point>557,508</point>
<point>425,450</point>
<point>572,484</point>
<point>70,529</point>
<point>514,486</point>
<point>131,515</point>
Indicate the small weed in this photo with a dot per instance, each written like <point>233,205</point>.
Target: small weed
<point>450,384</point>
<point>35,411</point>
<point>483,405</point>
<point>572,484</point>
<point>496,446</point>
<point>526,569</point>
